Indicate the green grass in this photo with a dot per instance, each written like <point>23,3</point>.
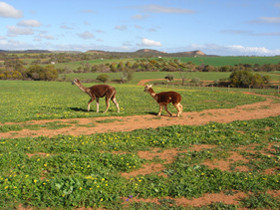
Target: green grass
<point>213,61</point>
<point>231,60</point>
<point>30,100</point>
<point>68,172</point>
<point>137,76</point>
<point>50,125</point>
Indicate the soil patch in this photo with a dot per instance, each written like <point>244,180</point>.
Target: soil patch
<point>167,155</point>
<point>206,199</point>
<point>224,165</point>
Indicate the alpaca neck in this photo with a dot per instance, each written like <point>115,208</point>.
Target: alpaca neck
<point>152,93</point>
<point>82,88</point>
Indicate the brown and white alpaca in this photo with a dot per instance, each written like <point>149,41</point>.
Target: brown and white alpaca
<point>99,91</point>
<point>164,98</point>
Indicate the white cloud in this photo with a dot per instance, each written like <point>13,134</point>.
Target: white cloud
<point>148,42</point>
<point>15,45</point>
<point>121,28</point>
<point>66,27</point>
<point>249,50</point>
<point>9,11</point>
<point>152,30</point>
<point>233,50</point>
<point>270,19</point>
<point>160,9</point>
<point>139,17</point>
<point>266,20</point>
<point>14,31</point>
<point>46,36</point>
<point>100,31</point>
<point>249,33</point>
<point>138,27</point>
<point>86,35</point>
<point>29,23</point>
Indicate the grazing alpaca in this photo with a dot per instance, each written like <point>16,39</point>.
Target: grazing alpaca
<point>164,98</point>
<point>99,91</point>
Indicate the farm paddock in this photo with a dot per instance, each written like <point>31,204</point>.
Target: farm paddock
<point>211,158</point>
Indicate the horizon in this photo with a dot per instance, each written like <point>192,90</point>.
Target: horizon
<point>69,51</point>
<point>215,27</point>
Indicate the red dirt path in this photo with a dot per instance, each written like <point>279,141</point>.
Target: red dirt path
<point>258,110</point>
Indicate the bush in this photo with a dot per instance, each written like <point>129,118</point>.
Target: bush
<point>102,78</point>
<point>244,78</point>
<point>37,72</point>
<point>127,75</point>
<point>196,81</point>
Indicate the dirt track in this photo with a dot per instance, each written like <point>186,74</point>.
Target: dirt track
<point>258,110</point>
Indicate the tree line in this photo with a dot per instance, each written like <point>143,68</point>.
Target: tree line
<point>242,75</point>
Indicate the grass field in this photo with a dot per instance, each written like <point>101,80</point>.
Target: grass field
<point>100,170</point>
<point>231,60</point>
<point>30,100</point>
<point>137,76</point>
<point>213,61</point>
<point>88,171</point>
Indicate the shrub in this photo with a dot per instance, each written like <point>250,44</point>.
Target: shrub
<point>241,78</point>
<point>37,72</point>
<point>102,78</point>
<point>244,78</point>
<point>196,81</point>
<point>127,75</point>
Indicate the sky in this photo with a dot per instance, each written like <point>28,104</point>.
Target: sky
<point>216,27</point>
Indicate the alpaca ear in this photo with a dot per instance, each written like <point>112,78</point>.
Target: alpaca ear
<point>149,86</point>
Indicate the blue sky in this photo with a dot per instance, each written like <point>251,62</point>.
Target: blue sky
<point>220,27</point>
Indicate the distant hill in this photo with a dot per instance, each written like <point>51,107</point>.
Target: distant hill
<point>190,54</point>
<point>25,51</point>
<point>100,52</point>
<point>138,53</point>
<point>150,52</point>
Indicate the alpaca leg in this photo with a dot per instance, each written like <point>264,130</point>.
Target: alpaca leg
<point>97,105</point>
<point>160,110</point>
<point>88,107</point>
<point>107,104</point>
<point>179,108</point>
<point>116,103</point>
<point>165,106</point>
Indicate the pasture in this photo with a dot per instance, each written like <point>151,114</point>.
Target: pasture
<point>30,100</point>
<point>229,165</point>
<point>216,61</point>
<point>232,60</point>
<point>138,76</point>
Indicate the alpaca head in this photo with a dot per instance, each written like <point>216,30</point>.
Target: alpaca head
<point>147,87</point>
<point>75,81</point>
